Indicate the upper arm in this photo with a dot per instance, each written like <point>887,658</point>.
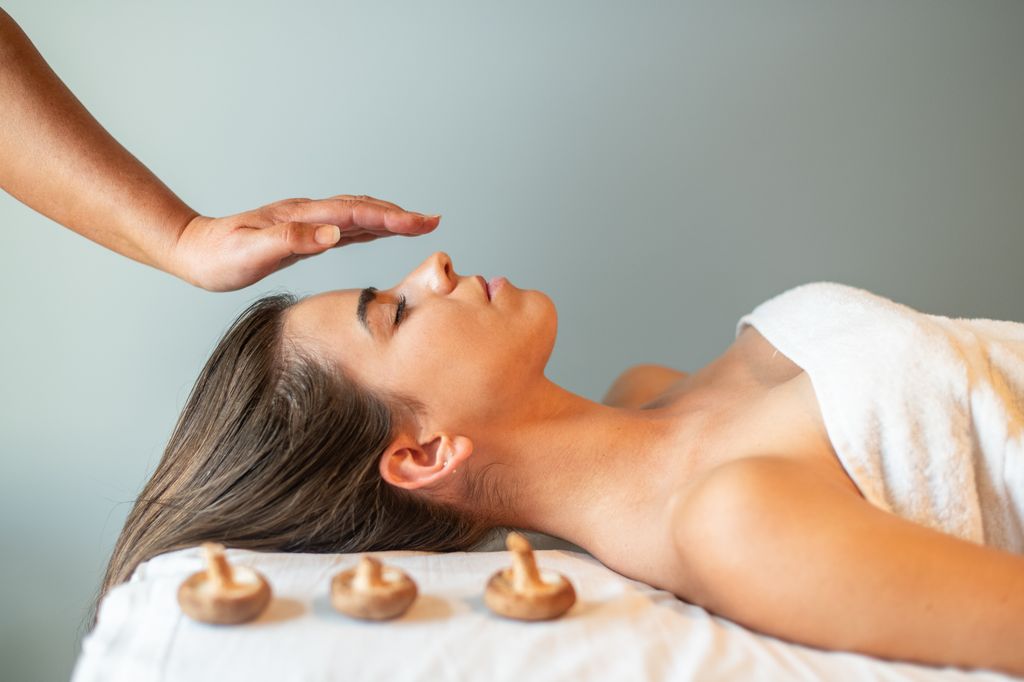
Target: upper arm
<point>640,384</point>
<point>773,545</point>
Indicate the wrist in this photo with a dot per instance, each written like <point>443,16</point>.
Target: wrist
<point>175,258</point>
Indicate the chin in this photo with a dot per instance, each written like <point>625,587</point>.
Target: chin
<point>545,328</point>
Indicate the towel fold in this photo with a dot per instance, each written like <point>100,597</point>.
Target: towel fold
<point>925,412</point>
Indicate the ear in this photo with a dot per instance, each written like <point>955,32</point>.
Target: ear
<point>410,464</point>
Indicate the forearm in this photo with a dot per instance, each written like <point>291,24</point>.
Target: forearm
<point>57,159</point>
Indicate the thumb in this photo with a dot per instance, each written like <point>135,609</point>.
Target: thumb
<point>302,238</point>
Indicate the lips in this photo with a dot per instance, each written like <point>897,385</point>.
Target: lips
<point>495,285</point>
<point>491,287</point>
<point>487,288</point>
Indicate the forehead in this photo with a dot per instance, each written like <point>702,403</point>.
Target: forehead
<point>324,308</point>
<point>319,322</point>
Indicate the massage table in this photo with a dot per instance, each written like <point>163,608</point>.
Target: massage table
<point>619,629</point>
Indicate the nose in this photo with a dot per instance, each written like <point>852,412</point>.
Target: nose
<point>435,273</point>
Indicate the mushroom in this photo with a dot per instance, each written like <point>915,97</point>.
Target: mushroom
<point>521,592</point>
<point>372,592</point>
<point>222,595</point>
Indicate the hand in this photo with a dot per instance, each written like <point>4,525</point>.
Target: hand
<point>224,254</point>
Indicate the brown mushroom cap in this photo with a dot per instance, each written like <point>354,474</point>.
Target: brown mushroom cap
<point>521,592</point>
<point>223,595</point>
<point>372,592</point>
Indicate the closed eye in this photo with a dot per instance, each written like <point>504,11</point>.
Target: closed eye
<point>400,310</point>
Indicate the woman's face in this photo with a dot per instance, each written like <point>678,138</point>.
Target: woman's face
<point>460,346</point>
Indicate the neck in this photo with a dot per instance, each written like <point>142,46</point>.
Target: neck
<point>583,471</point>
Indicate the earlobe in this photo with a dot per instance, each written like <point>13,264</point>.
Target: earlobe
<point>409,464</point>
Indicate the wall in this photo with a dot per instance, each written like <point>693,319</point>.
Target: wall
<point>657,168</point>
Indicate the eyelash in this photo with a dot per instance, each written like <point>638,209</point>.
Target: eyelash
<point>400,310</point>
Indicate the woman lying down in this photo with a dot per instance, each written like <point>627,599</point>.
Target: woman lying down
<point>848,474</point>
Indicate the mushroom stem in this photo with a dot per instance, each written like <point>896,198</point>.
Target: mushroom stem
<point>217,567</point>
<point>525,576</point>
<point>519,592</point>
<point>368,574</point>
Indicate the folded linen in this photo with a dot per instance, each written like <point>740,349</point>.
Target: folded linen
<point>925,412</point>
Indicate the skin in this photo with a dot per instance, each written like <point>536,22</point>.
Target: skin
<point>720,486</point>
<point>58,160</point>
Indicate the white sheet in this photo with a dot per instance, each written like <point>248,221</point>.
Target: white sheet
<point>619,629</point>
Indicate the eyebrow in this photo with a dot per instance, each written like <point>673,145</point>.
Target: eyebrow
<point>366,296</point>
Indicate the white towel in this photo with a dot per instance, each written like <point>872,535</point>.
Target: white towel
<point>925,412</point>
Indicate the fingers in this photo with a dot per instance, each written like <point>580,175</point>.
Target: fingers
<point>293,238</point>
<point>360,214</point>
<point>345,241</point>
<point>359,238</point>
<point>280,234</point>
<point>278,246</point>
<point>366,198</point>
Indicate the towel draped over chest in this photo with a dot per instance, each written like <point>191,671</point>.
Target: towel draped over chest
<point>925,412</point>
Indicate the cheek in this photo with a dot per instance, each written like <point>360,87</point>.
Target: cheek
<point>424,361</point>
<point>453,363</point>
<point>456,359</point>
<point>522,346</point>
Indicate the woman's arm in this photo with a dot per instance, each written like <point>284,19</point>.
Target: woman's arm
<point>57,159</point>
<point>773,545</point>
<point>640,384</point>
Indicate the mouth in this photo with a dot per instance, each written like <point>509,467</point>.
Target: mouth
<point>491,287</point>
<point>494,286</point>
<point>487,288</point>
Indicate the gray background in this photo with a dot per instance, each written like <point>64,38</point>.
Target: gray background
<point>657,169</point>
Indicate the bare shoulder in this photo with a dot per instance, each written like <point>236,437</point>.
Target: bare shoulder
<point>778,546</point>
<point>760,360</point>
<point>749,361</point>
<point>737,493</point>
<point>640,384</point>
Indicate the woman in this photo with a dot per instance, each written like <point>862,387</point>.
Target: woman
<point>420,418</point>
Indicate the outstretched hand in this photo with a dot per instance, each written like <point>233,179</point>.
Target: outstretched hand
<point>224,254</point>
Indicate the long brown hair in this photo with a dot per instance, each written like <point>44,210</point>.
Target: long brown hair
<point>275,451</point>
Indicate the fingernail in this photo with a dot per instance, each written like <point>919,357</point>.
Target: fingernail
<point>436,215</point>
<point>327,234</point>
